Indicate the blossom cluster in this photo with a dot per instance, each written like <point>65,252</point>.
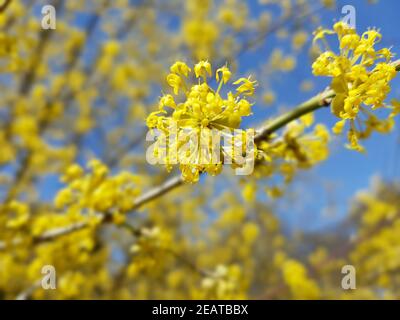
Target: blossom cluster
<point>203,110</point>
<point>97,192</point>
<point>361,80</point>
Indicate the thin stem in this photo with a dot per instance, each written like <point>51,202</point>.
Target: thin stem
<point>312,104</point>
<point>140,201</point>
<point>397,64</point>
<point>316,102</point>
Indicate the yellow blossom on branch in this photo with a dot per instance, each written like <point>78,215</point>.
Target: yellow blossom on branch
<point>96,191</point>
<point>361,75</point>
<point>204,111</point>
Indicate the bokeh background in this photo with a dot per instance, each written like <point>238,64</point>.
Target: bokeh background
<point>83,92</point>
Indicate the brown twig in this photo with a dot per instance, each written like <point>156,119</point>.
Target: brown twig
<point>4,6</point>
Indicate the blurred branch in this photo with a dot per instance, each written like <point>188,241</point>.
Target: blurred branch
<point>140,201</point>
<point>12,18</point>
<point>292,16</point>
<point>397,64</point>
<point>182,258</point>
<point>24,295</point>
<point>321,100</point>
<point>312,104</point>
<point>30,76</point>
<point>4,6</point>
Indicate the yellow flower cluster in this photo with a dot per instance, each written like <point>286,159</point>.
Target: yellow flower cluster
<point>300,284</point>
<point>14,214</point>
<point>297,148</point>
<point>223,283</point>
<point>203,111</point>
<point>199,32</point>
<point>97,192</point>
<point>361,76</point>
<point>376,253</point>
<point>207,27</point>
<point>9,58</point>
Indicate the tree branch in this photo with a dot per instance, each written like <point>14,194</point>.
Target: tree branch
<point>320,100</point>
<point>4,6</point>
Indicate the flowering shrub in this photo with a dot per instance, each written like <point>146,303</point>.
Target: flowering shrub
<point>77,190</point>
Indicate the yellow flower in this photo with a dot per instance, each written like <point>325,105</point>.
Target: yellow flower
<point>244,108</point>
<point>111,48</point>
<point>202,68</point>
<point>97,191</point>
<point>18,212</point>
<point>226,74</point>
<point>268,98</point>
<point>249,192</point>
<point>299,39</point>
<point>246,86</point>
<point>203,111</point>
<point>180,68</point>
<point>296,278</point>
<point>167,101</point>
<point>175,82</point>
<point>395,108</point>
<point>250,232</point>
<point>361,76</point>
<point>73,172</point>
<point>338,127</point>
